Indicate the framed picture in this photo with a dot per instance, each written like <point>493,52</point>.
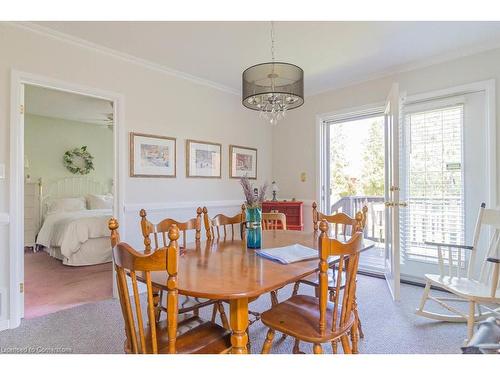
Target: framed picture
<point>203,159</point>
<point>242,162</point>
<point>152,156</point>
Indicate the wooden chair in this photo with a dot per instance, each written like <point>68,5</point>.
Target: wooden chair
<point>170,336</point>
<point>343,225</point>
<point>319,319</point>
<point>273,221</point>
<point>212,226</point>
<point>482,292</point>
<point>159,232</point>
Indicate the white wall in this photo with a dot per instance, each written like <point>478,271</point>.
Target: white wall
<point>294,140</point>
<point>46,139</point>
<point>155,103</point>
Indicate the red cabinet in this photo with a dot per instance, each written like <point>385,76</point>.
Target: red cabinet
<point>291,209</point>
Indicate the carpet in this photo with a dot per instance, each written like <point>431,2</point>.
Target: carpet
<point>50,286</point>
<point>390,327</point>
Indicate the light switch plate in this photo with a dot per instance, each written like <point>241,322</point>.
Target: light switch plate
<point>2,171</point>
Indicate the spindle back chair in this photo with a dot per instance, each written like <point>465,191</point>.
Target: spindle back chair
<point>159,231</point>
<point>319,319</point>
<point>148,336</point>
<point>213,226</point>
<point>480,291</point>
<point>273,221</point>
<point>343,225</point>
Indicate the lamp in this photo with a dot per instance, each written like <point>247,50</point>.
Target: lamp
<point>273,88</point>
<point>275,189</point>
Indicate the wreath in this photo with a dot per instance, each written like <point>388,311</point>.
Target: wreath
<point>78,160</point>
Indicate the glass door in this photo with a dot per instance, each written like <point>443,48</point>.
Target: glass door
<point>445,177</point>
<point>392,203</point>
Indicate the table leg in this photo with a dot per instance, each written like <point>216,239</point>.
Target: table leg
<point>239,325</point>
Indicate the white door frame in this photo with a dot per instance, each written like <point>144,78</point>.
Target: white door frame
<point>16,178</point>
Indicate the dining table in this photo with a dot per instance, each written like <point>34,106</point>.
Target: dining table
<point>225,269</point>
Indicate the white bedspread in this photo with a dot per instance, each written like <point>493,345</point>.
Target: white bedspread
<point>69,230</point>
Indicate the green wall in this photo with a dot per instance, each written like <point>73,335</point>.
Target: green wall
<point>47,139</point>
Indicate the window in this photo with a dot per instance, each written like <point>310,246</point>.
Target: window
<point>433,182</point>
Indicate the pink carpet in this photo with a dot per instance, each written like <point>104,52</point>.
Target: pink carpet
<point>50,286</point>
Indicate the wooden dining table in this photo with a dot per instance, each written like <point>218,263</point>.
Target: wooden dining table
<point>228,270</point>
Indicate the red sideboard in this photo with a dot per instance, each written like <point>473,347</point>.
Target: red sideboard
<point>291,209</point>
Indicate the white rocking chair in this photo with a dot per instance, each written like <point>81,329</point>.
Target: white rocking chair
<point>483,292</point>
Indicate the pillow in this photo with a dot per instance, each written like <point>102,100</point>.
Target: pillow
<point>66,204</point>
<point>97,202</point>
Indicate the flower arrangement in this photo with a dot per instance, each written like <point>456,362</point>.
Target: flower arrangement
<point>253,197</point>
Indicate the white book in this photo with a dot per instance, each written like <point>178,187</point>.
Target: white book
<point>289,254</point>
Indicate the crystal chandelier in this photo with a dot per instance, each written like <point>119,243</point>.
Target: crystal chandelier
<point>273,88</point>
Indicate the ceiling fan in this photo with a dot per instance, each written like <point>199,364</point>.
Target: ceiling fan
<point>107,119</point>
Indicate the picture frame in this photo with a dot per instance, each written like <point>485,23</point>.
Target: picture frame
<point>203,159</point>
<point>242,162</point>
<point>153,156</point>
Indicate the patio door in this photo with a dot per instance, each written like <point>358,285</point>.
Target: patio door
<point>392,203</point>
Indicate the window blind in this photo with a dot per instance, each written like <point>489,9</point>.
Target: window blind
<point>432,165</point>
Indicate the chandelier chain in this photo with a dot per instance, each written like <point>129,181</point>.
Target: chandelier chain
<point>272,40</point>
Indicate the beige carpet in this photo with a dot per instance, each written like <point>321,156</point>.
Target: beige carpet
<point>50,286</point>
<point>389,327</point>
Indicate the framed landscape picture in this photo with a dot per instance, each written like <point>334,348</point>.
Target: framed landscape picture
<point>203,159</point>
<point>152,156</point>
<point>242,162</point>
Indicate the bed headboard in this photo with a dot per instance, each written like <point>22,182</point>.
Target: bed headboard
<point>69,187</point>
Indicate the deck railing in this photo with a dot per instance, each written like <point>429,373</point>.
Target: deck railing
<point>432,219</point>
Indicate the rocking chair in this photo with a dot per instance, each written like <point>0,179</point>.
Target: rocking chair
<point>482,292</point>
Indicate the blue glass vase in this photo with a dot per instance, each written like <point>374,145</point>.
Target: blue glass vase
<point>254,227</point>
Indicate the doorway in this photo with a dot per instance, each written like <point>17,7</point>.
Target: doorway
<point>18,174</point>
<point>68,182</point>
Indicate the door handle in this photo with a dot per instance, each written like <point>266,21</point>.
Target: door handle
<point>393,204</point>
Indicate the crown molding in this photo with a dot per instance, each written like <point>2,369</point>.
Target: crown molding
<point>416,65</point>
<point>66,38</point>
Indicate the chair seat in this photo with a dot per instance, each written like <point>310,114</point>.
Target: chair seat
<point>194,336</point>
<point>313,280</point>
<point>465,288</point>
<point>299,317</point>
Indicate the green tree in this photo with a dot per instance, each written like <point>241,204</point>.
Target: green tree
<point>372,177</point>
<point>341,184</point>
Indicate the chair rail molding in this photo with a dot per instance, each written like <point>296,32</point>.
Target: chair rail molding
<point>161,206</point>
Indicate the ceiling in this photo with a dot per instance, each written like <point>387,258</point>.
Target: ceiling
<point>46,102</point>
<point>332,54</point>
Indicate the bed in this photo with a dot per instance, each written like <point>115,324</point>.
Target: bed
<point>74,216</point>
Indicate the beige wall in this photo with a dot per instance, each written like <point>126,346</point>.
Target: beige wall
<point>294,140</point>
<point>155,103</point>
